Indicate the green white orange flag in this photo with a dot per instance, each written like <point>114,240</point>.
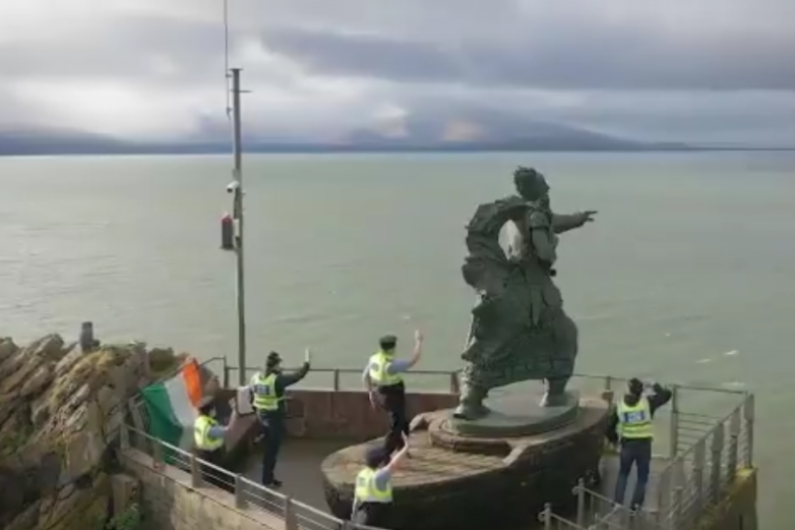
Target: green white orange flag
<point>172,404</point>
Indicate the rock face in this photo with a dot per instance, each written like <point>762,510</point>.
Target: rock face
<point>60,411</point>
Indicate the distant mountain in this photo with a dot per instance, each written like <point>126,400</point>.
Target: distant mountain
<point>433,130</point>
<point>85,144</point>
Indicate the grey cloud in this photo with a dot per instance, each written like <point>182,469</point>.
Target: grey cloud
<point>750,118</point>
<point>124,52</point>
<point>634,75</point>
<point>597,59</point>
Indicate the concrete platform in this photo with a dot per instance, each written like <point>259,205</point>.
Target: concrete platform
<point>299,469</point>
<point>300,461</point>
<point>610,475</point>
<point>472,482</point>
<point>517,415</point>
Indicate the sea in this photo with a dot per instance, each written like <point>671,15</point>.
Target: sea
<point>687,274</point>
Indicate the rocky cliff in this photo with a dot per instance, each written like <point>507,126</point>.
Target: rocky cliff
<point>60,412</point>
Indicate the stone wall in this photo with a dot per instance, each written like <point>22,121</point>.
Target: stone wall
<point>347,414</point>
<point>171,503</point>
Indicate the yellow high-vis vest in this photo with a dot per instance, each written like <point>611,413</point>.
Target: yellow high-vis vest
<point>201,434</point>
<point>264,389</point>
<point>379,370</point>
<point>367,490</point>
<point>634,422</point>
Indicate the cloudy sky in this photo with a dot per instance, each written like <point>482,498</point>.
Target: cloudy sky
<point>691,70</point>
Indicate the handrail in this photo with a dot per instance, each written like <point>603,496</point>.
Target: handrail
<point>552,521</point>
<point>594,509</point>
<point>454,375</point>
<point>706,450</point>
<point>246,493</point>
<point>699,443</point>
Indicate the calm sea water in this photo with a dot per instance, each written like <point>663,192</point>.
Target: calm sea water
<point>687,275</point>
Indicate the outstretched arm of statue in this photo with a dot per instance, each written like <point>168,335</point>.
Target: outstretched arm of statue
<point>565,222</point>
<point>544,246</point>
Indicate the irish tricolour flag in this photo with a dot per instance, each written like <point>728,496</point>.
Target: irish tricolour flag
<point>171,405</point>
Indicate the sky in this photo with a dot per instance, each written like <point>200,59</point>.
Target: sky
<point>710,71</point>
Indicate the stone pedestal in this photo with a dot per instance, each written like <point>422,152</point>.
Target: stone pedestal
<point>495,472</point>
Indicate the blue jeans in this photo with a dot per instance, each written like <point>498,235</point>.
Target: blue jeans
<point>637,452</point>
<point>273,431</point>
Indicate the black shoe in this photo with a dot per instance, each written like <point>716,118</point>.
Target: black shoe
<point>275,483</point>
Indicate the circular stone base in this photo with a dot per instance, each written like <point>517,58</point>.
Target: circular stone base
<point>438,488</point>
<point>517,415</point>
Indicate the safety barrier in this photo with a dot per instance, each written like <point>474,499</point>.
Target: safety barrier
<point>247,493</point>
<point>706,434</point>
<point>351,378</point>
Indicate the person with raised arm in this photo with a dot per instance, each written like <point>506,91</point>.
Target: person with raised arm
<point>372,496</point>
<point>383,380</point>
<point>267,398</point>
<point>631,427</point>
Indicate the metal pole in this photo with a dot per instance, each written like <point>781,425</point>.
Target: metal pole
<point>238,216</point>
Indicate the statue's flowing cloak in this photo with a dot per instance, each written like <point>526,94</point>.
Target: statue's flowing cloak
<point>519,329</point>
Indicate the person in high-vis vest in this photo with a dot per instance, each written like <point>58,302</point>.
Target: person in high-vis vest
<point>631,426</point>
<point>208,440</point>
<point>384,382</point>
<point>372,494</point>
<point>267,398</point>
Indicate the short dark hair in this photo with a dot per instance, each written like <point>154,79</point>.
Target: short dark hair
<point>206,405</point>
<point>376,456</point>
<point>273,359</point>
<point>387,342</point>
<point>635,386</point>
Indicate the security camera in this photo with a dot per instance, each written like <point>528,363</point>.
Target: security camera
<point>232,186</point>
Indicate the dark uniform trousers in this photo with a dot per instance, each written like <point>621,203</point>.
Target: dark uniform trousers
<point>372,514</point>
<point>273,426</point>
<point>393,399</point>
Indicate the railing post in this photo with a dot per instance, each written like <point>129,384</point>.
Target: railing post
<point>677,511</point>
<point>748,415</point>
<point>240,499</point>
<point>699,460</point>
<point>290,521</point>
<point>196,478</point>
<point>579,491</point>
<point>674,427</point>
<point>226,373</point>
<point>546,516</point>
<point>735,424</point>
<point>718,435</point>
<point>664,493</point>
<point>455,386</point>
<point>336,381</point>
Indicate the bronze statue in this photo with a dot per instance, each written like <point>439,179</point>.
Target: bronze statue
<point>519,329</point>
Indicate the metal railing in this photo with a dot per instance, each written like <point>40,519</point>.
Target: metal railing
<point>597,512</point>
<point>351,378</point>
<point>698,477</point>
<point>247,494</point>
<point>707,434</point>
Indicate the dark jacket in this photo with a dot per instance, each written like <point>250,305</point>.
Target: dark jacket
<point>660,397</point>
<point>284,381</point>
